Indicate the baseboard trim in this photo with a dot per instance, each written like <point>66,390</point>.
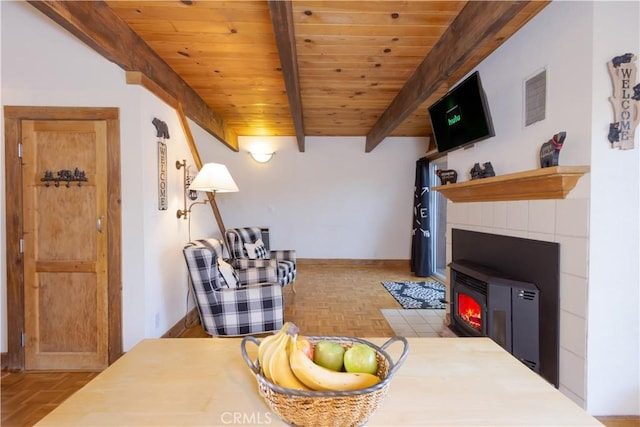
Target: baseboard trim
<point>4,361</point>
<point>180,327</point>
<point>341,262</point>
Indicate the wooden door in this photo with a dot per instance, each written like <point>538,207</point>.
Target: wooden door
<point>65,244</point>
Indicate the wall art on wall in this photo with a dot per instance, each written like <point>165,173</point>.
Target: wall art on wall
<point>625,101</point>
<point>162,133</point>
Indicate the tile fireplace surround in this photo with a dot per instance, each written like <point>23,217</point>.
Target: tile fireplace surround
<point>560,221</point>
<point>534,205</point>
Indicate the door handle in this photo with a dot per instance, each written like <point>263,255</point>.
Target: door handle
<point>99,223</point>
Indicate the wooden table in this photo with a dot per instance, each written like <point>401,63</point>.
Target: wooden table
<point>205,382</point>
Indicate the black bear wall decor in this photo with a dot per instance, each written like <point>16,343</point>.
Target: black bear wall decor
<point>550,150</point>
<point>626,58</point>
<point>447,176</point>
<point>162,130</point>
<point>614,132</point>
<point>484,171</point>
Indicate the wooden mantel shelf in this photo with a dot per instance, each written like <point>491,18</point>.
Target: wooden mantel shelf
<point>545,183</point>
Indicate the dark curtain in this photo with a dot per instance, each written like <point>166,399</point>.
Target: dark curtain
<point>421,233</point>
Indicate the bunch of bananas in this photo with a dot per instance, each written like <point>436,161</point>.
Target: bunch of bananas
<point>286,365</point>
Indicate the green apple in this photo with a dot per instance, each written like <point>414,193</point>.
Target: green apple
<point>360,358</point>
<point>329,355</point>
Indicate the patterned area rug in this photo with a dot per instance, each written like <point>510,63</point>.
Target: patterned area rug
<point>429,294</point>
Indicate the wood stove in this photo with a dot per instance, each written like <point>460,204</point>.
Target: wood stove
<point>485,303</point>
<point>468,303</point>
<point>508,288</point>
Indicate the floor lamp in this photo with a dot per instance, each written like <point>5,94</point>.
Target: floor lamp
<point>213,178</point>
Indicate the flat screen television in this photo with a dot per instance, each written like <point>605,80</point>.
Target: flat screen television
<point>462,116</point>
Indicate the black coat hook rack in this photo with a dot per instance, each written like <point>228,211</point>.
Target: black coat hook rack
<point>64,175</point>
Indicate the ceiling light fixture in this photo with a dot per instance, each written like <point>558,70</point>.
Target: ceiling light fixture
<point>261,157</point>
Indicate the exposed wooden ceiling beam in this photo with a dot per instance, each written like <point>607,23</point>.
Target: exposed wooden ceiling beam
<point>477,22</point>
<point>282,20</point>
<point>95,23</point>
<point>137,78</point>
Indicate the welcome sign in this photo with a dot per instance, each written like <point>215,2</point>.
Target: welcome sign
<point>162,133</point>
<point>162,176</point>
<point>625,101</point>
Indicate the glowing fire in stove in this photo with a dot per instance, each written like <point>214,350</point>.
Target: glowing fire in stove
<point>469,310</point>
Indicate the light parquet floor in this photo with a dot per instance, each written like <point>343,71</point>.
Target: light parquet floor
<point>332,298</point>
<point>346,302</point>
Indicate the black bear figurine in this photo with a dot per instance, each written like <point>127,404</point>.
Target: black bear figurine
<point>488,170</point>
<point>448,176</point>
<point>550,150</point>
<point>484,171</point>
<point>476,171</point>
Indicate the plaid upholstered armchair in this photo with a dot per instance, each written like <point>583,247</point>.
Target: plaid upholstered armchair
<point>232,301</point>
<point>246,248</point>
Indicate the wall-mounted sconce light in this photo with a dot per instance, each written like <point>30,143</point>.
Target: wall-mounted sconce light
<point>213,177</point>
<point>261,157</point>
<point>183,165</point>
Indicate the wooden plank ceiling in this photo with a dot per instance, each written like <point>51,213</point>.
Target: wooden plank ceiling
<point>352,58</point>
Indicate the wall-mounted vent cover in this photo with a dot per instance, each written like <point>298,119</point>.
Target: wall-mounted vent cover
<point>535,98</point>
<point>528,295</point>
<point>471,282</point>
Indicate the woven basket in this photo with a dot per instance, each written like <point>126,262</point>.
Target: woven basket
<point>328,408</point>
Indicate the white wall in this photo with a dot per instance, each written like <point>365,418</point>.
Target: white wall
<point>332,201</point>
<point>613,364</point>
<point>592,305</point>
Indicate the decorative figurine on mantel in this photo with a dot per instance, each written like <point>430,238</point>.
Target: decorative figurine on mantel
<point>484,171</point>
<point>625,101</point>
<point>550,150</point>
<point>447,176</point>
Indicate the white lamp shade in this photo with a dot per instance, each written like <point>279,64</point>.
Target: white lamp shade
<point>214,177</point>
